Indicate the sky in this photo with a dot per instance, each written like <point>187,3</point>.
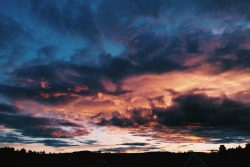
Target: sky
<point>124,75</point>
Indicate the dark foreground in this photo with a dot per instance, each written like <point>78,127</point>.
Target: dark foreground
<point>229,158</point>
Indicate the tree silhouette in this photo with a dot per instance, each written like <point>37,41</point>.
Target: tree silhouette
<point>30,152</point>
<point>23,151</point>
<point>239,147</point>
<point>222,148</point>
<point>247,146</point>
<point>7,149</point>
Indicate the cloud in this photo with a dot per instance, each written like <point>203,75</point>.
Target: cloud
<point>205,111</point>
<point>58,83</point>
<point>18,93</point>
<point>233,51</point>
<point>4,108</point>
<point>217,119</point>
<point>159,54</point>
<point>130,62</point>
<point>213,117</point>
<point>136,117</point>
<point>224,7</point>
<point>134,144</point>
<point>118,149</point>
<point>236,138</point>
<point>14,138</point>
<point>56,143</point>
<point>32,126</point>
<point>116,120</point>
<point>129,149</point>
<point>90,142</point>
<point>46,84</point>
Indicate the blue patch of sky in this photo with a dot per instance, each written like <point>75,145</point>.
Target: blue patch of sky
<point>95,4</point>
<point>113,47</point>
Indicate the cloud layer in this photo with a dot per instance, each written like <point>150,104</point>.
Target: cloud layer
<point>69,69</point>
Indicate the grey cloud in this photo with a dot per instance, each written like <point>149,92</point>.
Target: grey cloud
<point>212,117</point>
<point>14,138</point>
<point>206,111</point>
<point>90,142</point>
<point>134,144</point>
<point>31,126</point>
<point>56,143</point>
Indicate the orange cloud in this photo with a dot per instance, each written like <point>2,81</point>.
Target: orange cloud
<point>44,84</point>
<point>79,88</point>
<point>72,133</point>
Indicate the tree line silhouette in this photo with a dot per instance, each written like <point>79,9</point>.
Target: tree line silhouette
<point>223,157</point>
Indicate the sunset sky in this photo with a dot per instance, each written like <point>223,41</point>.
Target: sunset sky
<point>124,75</point>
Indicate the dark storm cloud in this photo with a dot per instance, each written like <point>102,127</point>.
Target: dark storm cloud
<point>61,77</point>
<point>58,78</point>
<point>134,144</point>
<point>61,73</point>
<point>37,72</point>
<point>5,108</point>
<point>209,116</point>
<point>157,54</point>
<point>35,93</point>
<point>205,111</point>
<point>116,120</point>
<point>56,143</point>
<point>118,68</point>
<point>231,139</point>
<point>154,53</point>
<point>160,54</point>
<point>13,138</point>
<point>33,126</point>
<point>82,56</point>
<point>136,117</point>
<point>225,7</point>
<point>240,60</point>
<point>89,142</point>
<point>218,135</point>
<point>233,52</point>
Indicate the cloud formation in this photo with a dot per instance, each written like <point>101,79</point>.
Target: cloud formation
<point>56,143</point>
<point>203,116</point>
<point>32,126</point>
<point>69,69</point>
